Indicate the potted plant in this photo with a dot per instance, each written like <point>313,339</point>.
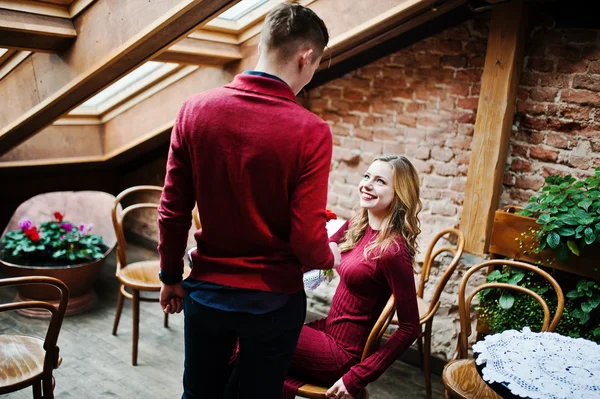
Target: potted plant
<point>559,230</point>
<point>43,242</point>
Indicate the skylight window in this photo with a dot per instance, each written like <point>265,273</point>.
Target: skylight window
<point>123,83</point>
<point>240,9</point>
<point>2,51</point>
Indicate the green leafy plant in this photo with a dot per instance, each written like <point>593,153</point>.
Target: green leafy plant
<point>510,310</point>
<point>568,212</point>
<point>56,242</point>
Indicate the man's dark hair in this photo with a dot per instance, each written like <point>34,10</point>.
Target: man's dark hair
<point>289,26</point>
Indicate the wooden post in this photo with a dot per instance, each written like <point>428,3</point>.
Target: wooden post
<point>495,114</point>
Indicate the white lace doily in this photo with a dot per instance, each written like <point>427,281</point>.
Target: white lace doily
<point>541,365</point>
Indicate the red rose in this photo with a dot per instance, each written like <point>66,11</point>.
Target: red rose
<point>32,233</point>
<point>330,215</point>
<point>35,236</point>
<point>58,216</point>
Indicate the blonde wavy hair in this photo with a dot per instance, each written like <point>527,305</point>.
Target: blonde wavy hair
<point>402,220</point>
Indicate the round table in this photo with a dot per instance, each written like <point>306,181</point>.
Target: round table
<point>539,365</point>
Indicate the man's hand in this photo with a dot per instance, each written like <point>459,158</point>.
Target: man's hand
<point>171,298</point>
<point>337,254</point>
<point>338,391</point>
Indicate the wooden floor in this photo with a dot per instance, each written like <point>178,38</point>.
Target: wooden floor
<point>97,364</point>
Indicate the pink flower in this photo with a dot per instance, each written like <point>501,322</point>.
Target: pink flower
<point>89,227</point>
<point>68,227</point>
<point>25,223</point>
<point>81,228</point>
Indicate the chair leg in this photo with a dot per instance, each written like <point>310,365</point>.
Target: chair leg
<point>37,389</point>
<point>166,323</point>
<point>120,301</point>
<point>427,358</point>
<point>136,325</point>
<point>48,387</point>
<point>420,349</point>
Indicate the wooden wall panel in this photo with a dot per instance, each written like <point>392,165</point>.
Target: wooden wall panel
<point>19,93</point>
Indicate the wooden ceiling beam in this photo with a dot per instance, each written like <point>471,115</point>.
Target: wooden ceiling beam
<point>24,31</point>
<point>200,52</point>
<point>97,58</point>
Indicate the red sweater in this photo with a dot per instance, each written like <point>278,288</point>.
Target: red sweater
<point>257,164</point>
<point>364,288</point>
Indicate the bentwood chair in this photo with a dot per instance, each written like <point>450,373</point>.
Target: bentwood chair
<point>427,309</point>
<point>318,392</point>
<point>460,376</point>
<point>29,361</point>
<point>138,276</point>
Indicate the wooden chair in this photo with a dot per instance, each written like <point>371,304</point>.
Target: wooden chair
<point>428,309</point>
<point>460,376</point>
<point>29,361</point>
<point>318,392</point>
<point>137,276</point>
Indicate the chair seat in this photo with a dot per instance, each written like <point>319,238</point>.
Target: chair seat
<point>312,391</point>
<point>462,380</point>
<point>423,307</point>
<point>141,275</point>
<point>21,360</point>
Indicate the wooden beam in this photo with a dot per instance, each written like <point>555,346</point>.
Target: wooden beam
<point>200,52</point>
<point>97,59</point>
<point>493,125</point>
<point>66,9</point>
<point>26,31</point>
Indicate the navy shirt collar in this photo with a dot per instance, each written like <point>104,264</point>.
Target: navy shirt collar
<point>264,75</point>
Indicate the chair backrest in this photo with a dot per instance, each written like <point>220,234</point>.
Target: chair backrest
<point>196,217</point>
<point>430,256</point>
<point>464,303</point>
<point>57,313</point>
<point>379,328</point>
<point>119,213</point>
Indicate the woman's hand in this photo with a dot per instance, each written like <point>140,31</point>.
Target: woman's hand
<point>338,391</point>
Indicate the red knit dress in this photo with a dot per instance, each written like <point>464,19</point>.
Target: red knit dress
<point>332,347</point>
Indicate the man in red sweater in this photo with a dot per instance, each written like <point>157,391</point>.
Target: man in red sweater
<point>256,164</point>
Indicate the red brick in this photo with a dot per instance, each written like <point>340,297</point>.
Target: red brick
<point>543,154</point>
<point>363,107</point>
<point>540,64</point>
<point>509,179</point>
<point>557,141</point>
<point>376,148</point>
<point>457,33</point>
<point>531,109</point>
<point>446,169</point>
<point>576,112</point>
<point>476,48</point>
<point>414,107</point>
<point>454,61</point>
<point>595,67</point>
<point>448,46</point>
<point>426,93</point>
<point>586,82</point>
<point>436,182</point>
<point>475,89</point>
<point>407,93</point>
<point>448,104</point>
<point>466,118</point>
<point>404,58</point>
<point>406,120</point>
<point>547,94</point>
<point>458,184</point>
<point>519,150</point>
<point>429,194</point>
<point>580,35</point>
<point>442,154</point>
<point>469,75</point>
<point>477,62</point>
<point>531,137</point>
<point>529,182</point>
<point>559,125</point>
<point>438,74</point>
<point>580,97</point>
<point>351,157</point>
<point>339,130</point>
<point>351,120</point>
<point>557,80</point>
<point>457,89</point>
<point>371,71</point>
<point>443,209</point>
<point>468,103</point>
<point>567,52</point>
<point>428,60</point>
<point>365,134</point>
<point>529,78</point>
<point>463,144</point>
<point>568,66</point>
<point>353,95</point>
<point>595,145</point>
<point>342,189</point>
<point>422,166</point>
<point>354,83</point>
<point>521,165</point>
<point>579,162</point>
<point>351,143</point>
<point>528,122</point>
<point>318,104</point>
<point>331,92</point>
<point>330,117</point>
<point>423,153</point>
<point>519,195</point>
<point>394,148</point>
<point>341,107</point>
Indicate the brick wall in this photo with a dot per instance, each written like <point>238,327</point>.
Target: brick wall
<point>557,125</point>
<point>419,102</point>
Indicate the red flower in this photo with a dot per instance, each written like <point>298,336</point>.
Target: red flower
<point>32,234</point>
<point>58,216</point>
<point>330,215</point>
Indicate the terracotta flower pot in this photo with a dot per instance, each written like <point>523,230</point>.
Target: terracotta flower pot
<point>79,278</point>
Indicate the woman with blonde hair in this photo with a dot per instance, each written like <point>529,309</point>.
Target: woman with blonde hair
<point>378,246</point>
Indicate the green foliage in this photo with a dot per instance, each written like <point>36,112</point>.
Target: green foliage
<point>57,242</point>
<point>568,212</point>
<point>505,309</point>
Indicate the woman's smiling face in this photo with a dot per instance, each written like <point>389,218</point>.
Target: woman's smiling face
<point>376,188</point>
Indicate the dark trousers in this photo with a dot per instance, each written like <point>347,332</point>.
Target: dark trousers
<point>266,346</point>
